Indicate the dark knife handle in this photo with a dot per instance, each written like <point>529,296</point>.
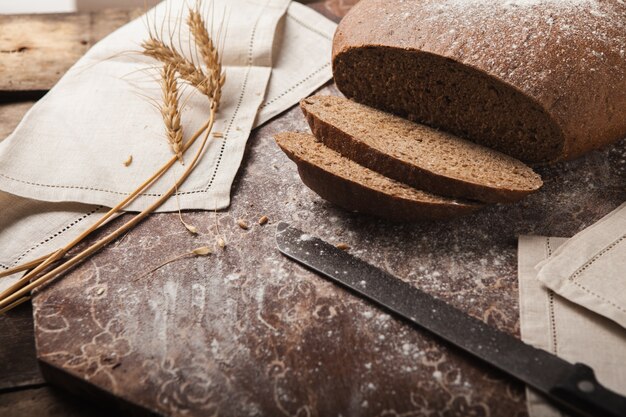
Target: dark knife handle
<point>581,391</point>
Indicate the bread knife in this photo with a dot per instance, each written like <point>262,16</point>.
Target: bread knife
<point>571,387</point>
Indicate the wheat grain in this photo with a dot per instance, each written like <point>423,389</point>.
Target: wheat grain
<point>170,110</point>
<point>208,51</point>
<point>202,251</point>
<point>17,293</point>
<point>342,246</point>
<point>189,72</point>
<point>12,296</point>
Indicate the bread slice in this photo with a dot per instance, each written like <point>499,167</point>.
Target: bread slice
<point>416,154</point>
<point>356,188</point>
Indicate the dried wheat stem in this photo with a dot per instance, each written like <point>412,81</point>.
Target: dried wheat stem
<point>170,110</point>
<point>7,301</point>
<point>14,304</point>
<point>61,252</point>
<point>201,251</point>
<point>211,87</point>
<point>25,266</point>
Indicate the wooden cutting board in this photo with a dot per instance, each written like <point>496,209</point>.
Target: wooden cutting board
<point>247,332</point>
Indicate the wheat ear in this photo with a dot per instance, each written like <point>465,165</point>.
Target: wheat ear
<point>12,297</point>
<point>189,72</point>
<point>208,51</point>
<point>170,110</point>
<point>18,292</point>
<point>42,263</point>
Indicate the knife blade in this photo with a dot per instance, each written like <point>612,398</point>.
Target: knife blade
<point>572,387</point>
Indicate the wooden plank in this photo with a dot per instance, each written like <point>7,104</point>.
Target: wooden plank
<point>46,402</point>
<point>17,350</point>
<point>36,50</point>
<point>10,116</point>
<point>247,329</point>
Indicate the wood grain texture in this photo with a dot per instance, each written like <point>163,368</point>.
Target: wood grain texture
<point>36,50</point>
<point>17,350</point>
<point>46,402</point>
<point>247,332</point>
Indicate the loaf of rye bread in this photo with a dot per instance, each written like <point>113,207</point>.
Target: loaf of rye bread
<point>540,80</point>
<point>417,155</point>
<point>356,188</point>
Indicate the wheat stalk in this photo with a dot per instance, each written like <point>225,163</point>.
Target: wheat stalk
<point>170,110</point>
<point>208,51</point>
<point>18,292</point>
<point>189,72</point>
<point>42,263</point>
<point>12,299</point>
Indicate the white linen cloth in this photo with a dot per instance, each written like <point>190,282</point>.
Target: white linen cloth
<point>590,268</point>
<point>72,144</point>
<point>70,147</point>
<point>557,312</point>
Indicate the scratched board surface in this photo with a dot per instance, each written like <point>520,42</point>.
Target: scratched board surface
<point>247,332</point>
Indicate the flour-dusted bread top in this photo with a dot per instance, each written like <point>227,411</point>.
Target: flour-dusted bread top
<point>539,79</point>
<point>357,188</point>
<point>416,154</point>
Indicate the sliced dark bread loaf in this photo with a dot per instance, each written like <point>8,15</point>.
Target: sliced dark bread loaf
<point>417,155</point>
<point>540,80</point>
<point>357,188</point>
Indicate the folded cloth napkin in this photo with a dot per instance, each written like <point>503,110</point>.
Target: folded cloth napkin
<point>590,268</point>
<point>31,228</point>
<point>72,144</point>
<point>68,152</point>
<point>562,317</point>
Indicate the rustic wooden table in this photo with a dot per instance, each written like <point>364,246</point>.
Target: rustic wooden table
<point>246,332</point>
<point>35,51</point>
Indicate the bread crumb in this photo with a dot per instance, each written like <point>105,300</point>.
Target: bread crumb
<point>342,246</point>
<point>263,220</point>
<point>128,160</point>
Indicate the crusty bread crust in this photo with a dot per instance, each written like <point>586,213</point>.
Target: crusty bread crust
<point>352,193</point>
<point>566,58</point>
<point>417,155</point>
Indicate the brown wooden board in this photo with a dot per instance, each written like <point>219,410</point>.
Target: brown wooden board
<point>26,43</point>
<point>46,402</point>
<point>36,50</point>
<point>17,350</point>
<point>247,332</point>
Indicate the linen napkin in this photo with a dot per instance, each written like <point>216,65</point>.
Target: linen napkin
<point>590,268</point>
<point>569,323</point>
<point>72,144</point>
<point>30,228</point>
